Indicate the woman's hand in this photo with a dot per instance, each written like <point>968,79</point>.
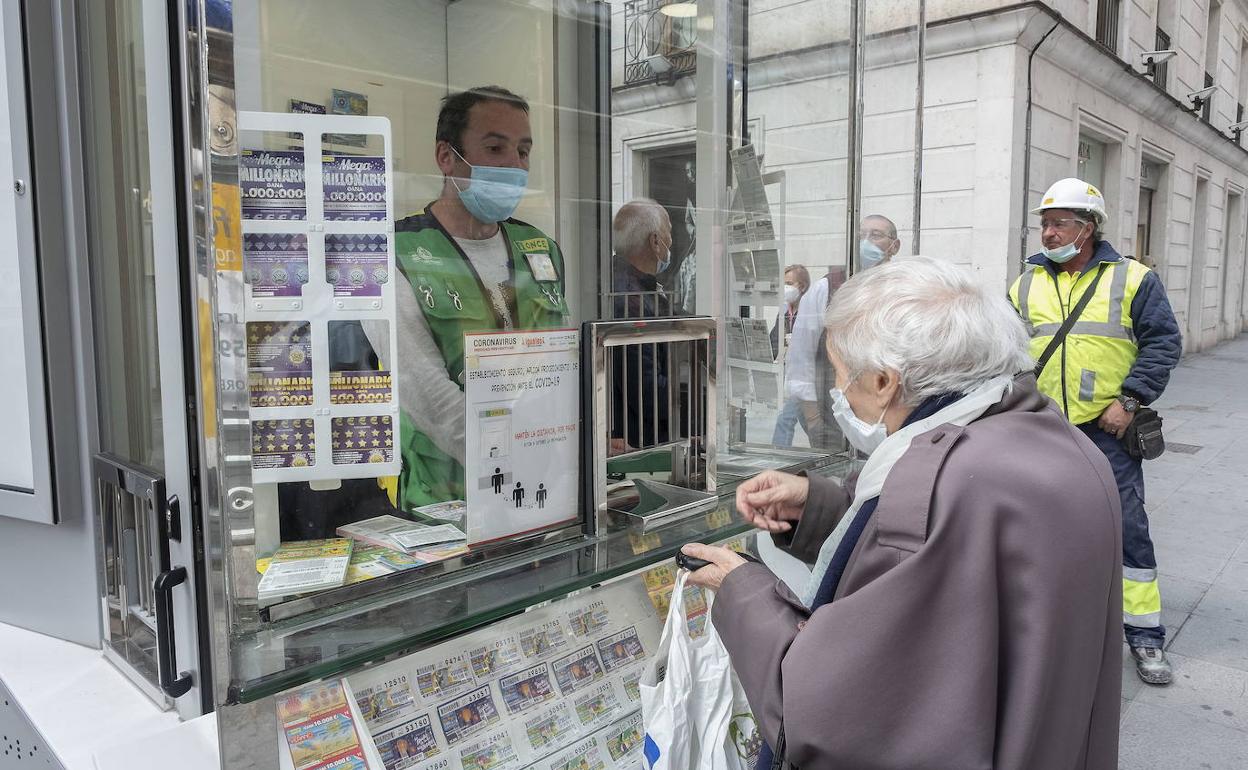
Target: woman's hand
<point>722,561</point>
<point>773,501</point>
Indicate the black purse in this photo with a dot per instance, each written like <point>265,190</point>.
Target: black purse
<point>1143,438</point>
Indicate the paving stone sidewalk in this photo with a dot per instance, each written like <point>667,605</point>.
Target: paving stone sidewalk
<point>1197,497</point>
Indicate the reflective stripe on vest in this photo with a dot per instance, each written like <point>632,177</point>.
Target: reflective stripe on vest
<point>1085,374</point>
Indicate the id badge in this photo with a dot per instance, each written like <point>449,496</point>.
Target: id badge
<point>542,267</point>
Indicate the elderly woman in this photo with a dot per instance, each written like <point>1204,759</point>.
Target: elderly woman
<point>964,605</point>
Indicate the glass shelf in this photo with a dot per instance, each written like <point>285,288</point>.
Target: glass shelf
<point>416,613</point>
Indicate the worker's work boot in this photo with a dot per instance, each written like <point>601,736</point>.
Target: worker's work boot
<point>1151,665</point>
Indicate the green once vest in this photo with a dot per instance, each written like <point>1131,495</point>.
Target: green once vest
<point>438,273</point>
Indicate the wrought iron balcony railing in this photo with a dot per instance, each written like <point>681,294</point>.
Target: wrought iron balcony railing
<point>658,47</point>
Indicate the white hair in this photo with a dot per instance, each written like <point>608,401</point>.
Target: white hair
<point>635,222</point>
<point>929,321</point>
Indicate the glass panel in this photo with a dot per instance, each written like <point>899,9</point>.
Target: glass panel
<point>120,231</point>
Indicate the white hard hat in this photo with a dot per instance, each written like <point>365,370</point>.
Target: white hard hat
<point>1075,195</point>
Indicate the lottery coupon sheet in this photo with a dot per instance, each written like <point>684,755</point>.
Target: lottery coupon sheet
<point>468,715</point>
<point>526,689</point>
<point>624,739</point>
<point>498,657</point>
<point>585,755</point>
<point>386,700</point>
<point>283,443</point>
<point>444,678</point>
<point>619,650</point>
<point>408,744</point>
<point>577,671</point>
<point>275,264</point>
<point>590,619</point>
<point>598,706</point>
<point>493,752</point>
<point>279,363</point>
<point>319,728</point>
<point>542,640</point>
<point>362,440</point>
<point>550,728</point>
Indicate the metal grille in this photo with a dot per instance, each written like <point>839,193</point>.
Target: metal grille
<point>658,48</point>
<point>1161,71</point>
<point>1107,13</point>
<point>1183,449</point>
<point>652,404</point>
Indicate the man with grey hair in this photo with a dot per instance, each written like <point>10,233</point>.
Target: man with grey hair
<point>973,561</point>
<point>642,239</point>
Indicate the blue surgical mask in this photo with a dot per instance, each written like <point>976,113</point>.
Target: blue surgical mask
<point>1063,254</point>
<point>665,263</point>
<point>869,255</point>
<point>494,192</point>
<point>863,436</point>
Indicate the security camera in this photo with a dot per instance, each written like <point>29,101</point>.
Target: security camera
<point>1150,60</point>
<point>1237,129</point>
<point>1198,98</point>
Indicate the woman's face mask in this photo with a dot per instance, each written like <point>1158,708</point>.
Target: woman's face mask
<point>863,436</point>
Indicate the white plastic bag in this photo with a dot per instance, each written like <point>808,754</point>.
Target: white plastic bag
<point>689,698</point>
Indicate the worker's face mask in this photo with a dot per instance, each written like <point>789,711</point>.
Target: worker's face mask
<point>1063,254</point>
<point>666,261</point>
<point>494,192</point>
<point>869,255</point>
<point>791,294</point>
<point>861,435</point>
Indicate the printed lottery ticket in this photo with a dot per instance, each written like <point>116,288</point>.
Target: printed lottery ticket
<point>588,620</point>
<point>499,656</point>
<point>527,688</point>
<point>544,639</point>
<point>408,744</point>
<point>585,755</point>
<point>624,738</point>
<point>598,706</point>
<point>550,728</point>
<point>493,752</point>
<point>444,678</point>
<point>467,715</point>
<point>621,649</point>
<point>578,670</point>
<point>386,701</point>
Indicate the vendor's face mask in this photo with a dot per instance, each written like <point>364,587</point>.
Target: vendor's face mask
<point>494,191</point>
<point>863,436</point>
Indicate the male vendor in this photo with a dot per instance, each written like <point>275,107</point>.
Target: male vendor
<point>468,267</point>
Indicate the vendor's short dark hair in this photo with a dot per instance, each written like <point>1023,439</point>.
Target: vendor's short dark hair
<point>453,117</point>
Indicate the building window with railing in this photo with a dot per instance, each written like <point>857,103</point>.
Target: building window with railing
<point>1107,15</point>
<point>660,39</point>
<point>1161,71</point>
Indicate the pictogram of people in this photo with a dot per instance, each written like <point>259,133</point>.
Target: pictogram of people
<point>517,494</point>
<point>540,496</point>
<point>497,479</point>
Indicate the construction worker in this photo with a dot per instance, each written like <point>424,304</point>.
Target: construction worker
<point>1115,358</point>
<point>467,266</point>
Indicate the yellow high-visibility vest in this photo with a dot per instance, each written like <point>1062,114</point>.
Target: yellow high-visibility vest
<point>1086,372</point>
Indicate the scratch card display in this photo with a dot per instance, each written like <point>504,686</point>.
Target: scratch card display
<point>409,743</point>
<point>360,387</point>
<point>620,649</point>
<point>597,706</point>
<point>493,752</point>
<point>444,678</point>
<point>283,443</point>
<point>355,188</point>
<point>357,264</point>
<point>578,670</point>
<point>468,714</point>
<point>386,701</point>
<point>499,656</point>
<point>276,264</point>
<point>319,729</point>
<point>279,363</point>
<point>272,184</point>
<point>550,728</point>
<point>360,440</point>
<point>526,689</point>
